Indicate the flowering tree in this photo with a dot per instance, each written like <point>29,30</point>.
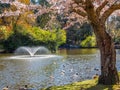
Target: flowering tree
<point>96,13</point>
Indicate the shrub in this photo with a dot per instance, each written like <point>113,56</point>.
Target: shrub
<point>34,36</point>
<point>90,41</point>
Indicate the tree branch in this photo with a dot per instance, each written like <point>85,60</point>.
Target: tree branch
<point>108,12</point>
<point>92,16</point>
<point>79,3</point>
<point>79,12</point>
<point>101,7</point>
<point>78,7</point>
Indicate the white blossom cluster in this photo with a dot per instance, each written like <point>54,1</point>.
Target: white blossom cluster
<point>21,8</point>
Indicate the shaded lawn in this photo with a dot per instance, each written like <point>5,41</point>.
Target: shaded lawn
<point>85,85</point>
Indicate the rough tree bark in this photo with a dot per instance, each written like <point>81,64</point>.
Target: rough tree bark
<point>109,73</point>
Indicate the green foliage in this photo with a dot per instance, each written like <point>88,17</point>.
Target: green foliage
<point>4,32</point>
<point>78,33</point>
<point>51,39</point>
<point>85,85</point>
<point>117,40</point>
<point>90,41</point>
<point>85,31</point>
<point>34,36</point>
<point>16,39</point>
<point>60,36</point>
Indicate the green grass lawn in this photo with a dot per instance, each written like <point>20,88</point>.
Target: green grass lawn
<point>85,85</point>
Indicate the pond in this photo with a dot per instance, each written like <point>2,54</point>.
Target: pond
<point>75,65</point>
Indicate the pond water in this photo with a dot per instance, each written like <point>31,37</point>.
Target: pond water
<point>75,65</point>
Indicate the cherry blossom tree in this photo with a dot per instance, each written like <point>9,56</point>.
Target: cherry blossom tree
<point>96,13</point>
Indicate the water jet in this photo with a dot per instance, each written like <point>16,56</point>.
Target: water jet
<point>39,52</point>
<point>32,51</point>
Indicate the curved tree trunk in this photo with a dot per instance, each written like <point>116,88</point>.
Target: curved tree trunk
<point>97,18</point>
<point>109,73</point>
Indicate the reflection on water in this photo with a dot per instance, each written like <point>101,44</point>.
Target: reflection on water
<point>78,51</point>
<point>77,65</point>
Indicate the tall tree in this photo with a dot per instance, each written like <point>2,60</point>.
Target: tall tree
<point>96,12</point>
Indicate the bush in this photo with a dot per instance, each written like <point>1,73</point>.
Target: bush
<point>34,36</point>
<point>5,32</point>
<point>90,41</point>
<point>51,39</point>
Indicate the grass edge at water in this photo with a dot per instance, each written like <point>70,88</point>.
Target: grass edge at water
<point>85,85</point>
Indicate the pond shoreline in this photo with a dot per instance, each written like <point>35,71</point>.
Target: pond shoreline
<point>78,47</point>
<point>91,84</point>
<point>67,47</point>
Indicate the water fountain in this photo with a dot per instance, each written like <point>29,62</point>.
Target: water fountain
<point>32,51</point>
<point>25,52</point>
<point>26,66</point>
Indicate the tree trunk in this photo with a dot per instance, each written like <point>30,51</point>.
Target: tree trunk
<point>109,74</point>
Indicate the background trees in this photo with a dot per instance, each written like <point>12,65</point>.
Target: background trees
<point>34,36</point>
<point>113,28</point>
<point>20,29</point>
<point>78,33</point>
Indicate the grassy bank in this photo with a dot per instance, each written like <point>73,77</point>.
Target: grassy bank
<point>85,85</point>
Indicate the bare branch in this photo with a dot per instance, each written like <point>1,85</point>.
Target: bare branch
<point>79,12</point>
<point>109,11</point>
<point>79,3</point>
<point>91,12</point>
<point>78,8</point>
<point>98,10</point>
